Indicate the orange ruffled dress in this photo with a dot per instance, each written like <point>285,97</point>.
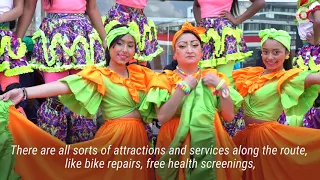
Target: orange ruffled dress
<point>196,124</point>
<point>91,88</point>
<point>265,97</point>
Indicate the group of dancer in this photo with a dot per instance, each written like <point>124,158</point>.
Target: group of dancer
<point>87,66</point>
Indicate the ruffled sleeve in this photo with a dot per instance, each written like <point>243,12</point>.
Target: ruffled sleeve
<point>296,99</point>
<point>245,79</point>
<point>159,91</point>
<point>85,98</point>
<point>248,80</point>
<point>155,96</point>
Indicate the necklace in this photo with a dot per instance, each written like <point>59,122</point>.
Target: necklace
<point>185,74</point>
<point>263,72</point>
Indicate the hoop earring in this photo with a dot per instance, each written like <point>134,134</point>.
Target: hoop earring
<point>287,57</point>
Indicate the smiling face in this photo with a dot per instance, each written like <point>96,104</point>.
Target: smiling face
<point>188,49</point>
<point>122,51</point>
<point>273,55</point>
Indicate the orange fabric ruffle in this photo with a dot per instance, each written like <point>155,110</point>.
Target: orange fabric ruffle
<point>122,132</point>
<point>139,78</point>
<point>288,75</point>
<point>169,78</point>
<point>166,135</point>
<point>223,140</point>
<point>248,80</point>
<point>287,167</point>
<point>160,80</point>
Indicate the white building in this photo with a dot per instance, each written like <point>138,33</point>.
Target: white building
<point>277,14</point>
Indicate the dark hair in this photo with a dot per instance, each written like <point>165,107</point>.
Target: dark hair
<point>12,24</point>
<point>259,62</point>
<point>112,44</point>
<point>235,8</point>
<point>287,64</point>
<point>191,32</point>
<point>171,66</point>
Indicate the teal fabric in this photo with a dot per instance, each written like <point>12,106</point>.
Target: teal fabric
<point>29,43</point>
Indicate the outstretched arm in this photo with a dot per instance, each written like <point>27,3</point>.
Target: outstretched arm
<point>42,91</point>
<point>316,27</point>
<point>95,17</point>
<point>251,11</point>
<point>311,80</point>
<point>25,20</point>
<point>14,13</point>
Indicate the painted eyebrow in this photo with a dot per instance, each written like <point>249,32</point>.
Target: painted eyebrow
<point>187,41</point>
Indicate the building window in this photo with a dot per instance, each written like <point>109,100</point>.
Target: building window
<point>252,27</point>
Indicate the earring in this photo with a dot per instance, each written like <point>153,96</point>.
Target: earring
<point>287,57</point>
